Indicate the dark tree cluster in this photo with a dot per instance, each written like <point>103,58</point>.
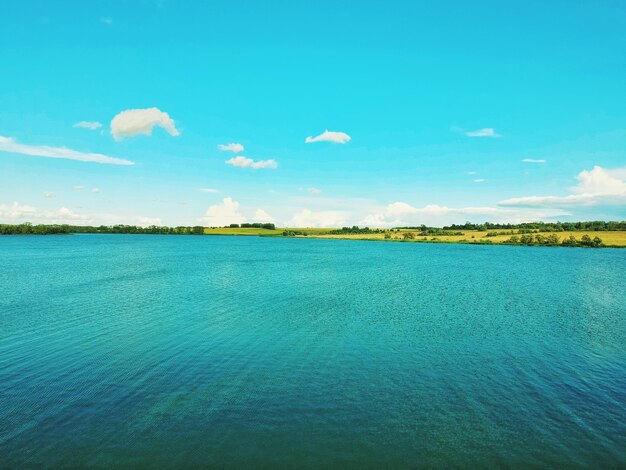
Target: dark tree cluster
<point>29,229</point>
<point>533,227</point>
<point>255,225</point>
<point>294,233</point>
<point>555,240</point>
<point>355,229</point>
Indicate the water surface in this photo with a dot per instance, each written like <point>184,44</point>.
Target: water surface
<point>233,352</point>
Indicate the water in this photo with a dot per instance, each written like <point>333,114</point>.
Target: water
<point>238,352</point>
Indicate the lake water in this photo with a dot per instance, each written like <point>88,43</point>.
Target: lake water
<point>238,352</point>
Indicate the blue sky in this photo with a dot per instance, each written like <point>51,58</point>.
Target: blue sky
<point>454,111</point>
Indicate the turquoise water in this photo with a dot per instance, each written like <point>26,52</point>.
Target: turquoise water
<point>239,352</point>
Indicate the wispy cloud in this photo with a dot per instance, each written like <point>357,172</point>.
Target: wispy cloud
<point>484,132</point>
<point>7,144</point>
<point>91,125</point>
<point>235,148</point>
<point>479,180</point>
<point>79,187</point>
<point>329,136</point>
<point>49,194</point>
<point>208,190</point>
<point>471,172</point>
<point>106,20</point>
<point>532,160</point>
<point>134,122</point>
<point>95,190</point>
<point>245,162</point>
<point>313,190</point>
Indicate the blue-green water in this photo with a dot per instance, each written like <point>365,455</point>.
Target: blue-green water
<point>238,352</point>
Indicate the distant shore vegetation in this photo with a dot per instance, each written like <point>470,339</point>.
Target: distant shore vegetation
<point>594,234</point>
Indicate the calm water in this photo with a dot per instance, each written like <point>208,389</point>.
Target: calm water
<point>243,352</point>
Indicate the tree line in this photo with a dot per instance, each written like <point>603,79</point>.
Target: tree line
<point>41,229</point>
<point>529,227</point>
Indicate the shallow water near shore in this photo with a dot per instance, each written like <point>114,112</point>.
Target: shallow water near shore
<point>234,352</point>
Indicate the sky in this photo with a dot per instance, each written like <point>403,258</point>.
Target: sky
<point>312,114</point>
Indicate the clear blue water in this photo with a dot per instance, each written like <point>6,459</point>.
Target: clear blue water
<point>238,352</point>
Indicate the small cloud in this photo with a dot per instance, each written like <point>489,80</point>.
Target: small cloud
<point>80,187</point>
<point>91,125</point>
<point>245,162</point>
<point>235,148</point>
<point>134,122</point>
<point>532,160</point>
<point>208,190</point>
<point>471,172</point>
<point>329,136</point>
<point>263,217</point>
<point>95,190</point>
<point>484,132</point>
<point>479,180</point>
<point>106,20</point>
<point>314,190</point>
<point>7,144</point>
<point>49,194</point>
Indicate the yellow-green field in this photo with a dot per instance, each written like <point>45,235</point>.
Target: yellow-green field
<point>613,239</point>
<point>609,238</point>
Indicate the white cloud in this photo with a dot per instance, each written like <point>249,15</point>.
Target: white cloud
<point>148,221</point>
<point>471,172</point>
<point>484,132</point>
<point>329,136</point>
<point>532,160</point>
<point>222,214</point>
<point>91,125</point>
<point>479,180</point>
<point>245,162</point>
<point>18,213</point>
<point>7,144</point>
<point>309,218</point>
<point>79,187</point>
<point>601,181</point>
<point>106,20</point>
<point>313,190</point>
<point>235,148</point>
<point>49,194</point>
<point>141,121</point>
<point>261,216</point>
<point>208,190</point>
<point>595,187</point>
<point>95,190</point>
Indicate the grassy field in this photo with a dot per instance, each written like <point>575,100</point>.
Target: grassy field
<point>613,239</point>
<point>609,238</point>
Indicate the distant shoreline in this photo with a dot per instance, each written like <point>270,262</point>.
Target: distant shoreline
<point>516,237</point>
